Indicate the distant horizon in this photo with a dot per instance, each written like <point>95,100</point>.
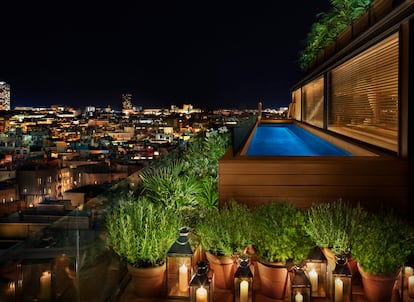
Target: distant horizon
<point>13,107</point>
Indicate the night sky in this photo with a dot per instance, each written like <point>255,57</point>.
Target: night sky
<point>211,54</point>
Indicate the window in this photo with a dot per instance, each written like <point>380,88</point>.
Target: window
<point>364,99</point>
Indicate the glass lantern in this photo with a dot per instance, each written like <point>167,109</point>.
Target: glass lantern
<point>179,266</point>
<point>243,281</point>
<point>202,284</point>
<point>341,283</point>
<point>406,281</point>
<point>301,288</point>
<point>317,272</point>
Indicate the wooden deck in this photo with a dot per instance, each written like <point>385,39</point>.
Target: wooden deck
<point>373,179</point>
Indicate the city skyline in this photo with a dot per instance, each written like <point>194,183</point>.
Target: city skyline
<point>166,53</point>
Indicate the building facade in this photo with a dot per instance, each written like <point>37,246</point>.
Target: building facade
<point>4,96</point>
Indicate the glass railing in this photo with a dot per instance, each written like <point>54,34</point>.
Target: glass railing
<point>67,260</point>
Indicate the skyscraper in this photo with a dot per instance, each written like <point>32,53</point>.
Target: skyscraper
<point>4,96</point>
<point>126,101</point>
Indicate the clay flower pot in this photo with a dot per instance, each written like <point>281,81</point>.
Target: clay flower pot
<point>273,279</point>
<point>148,282</point>
<point>376,287</point>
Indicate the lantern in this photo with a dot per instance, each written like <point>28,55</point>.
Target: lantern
<point>301,288</point>
<point>317,272</point>
<point>243,281</point>
<point>179,266</point>
<point>406,281</point>
<point>202,284</point>
<point>341,283</point>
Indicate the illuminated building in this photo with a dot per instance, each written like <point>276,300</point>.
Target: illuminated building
<point>4,96</point>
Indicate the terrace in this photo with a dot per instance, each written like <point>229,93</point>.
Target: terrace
<point>376,180</point>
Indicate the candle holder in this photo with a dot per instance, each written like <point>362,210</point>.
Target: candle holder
<point>301,288</point>
<point>179,266</point>
<point>316,270</point>
<point>341,283</point>
<point>202,284</point>
<point>406,281</point>
<point>243,281</point>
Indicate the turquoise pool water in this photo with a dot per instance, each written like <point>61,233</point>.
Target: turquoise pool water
<point>290,140</point>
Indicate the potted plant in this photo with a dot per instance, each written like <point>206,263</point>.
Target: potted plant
<point>381,246</point>
<point>225,233</point>
<point>141,232</point>
<point>331,226</point>
<point>279,241</point>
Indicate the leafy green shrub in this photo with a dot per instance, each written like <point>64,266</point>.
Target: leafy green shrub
<point>382,244</point>
<point>333,225</point>
<point>141,232</point>
<point>279,234</point>
<point>227,231</point>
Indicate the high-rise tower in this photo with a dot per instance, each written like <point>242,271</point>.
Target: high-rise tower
<point>126,101</point>
<point>4,96</point>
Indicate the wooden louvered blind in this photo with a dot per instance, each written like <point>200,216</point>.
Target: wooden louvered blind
<point>364,96</point>
<point>312,96</point>
<point>296,101</point>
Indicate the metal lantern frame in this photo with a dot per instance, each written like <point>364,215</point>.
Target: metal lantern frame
<point>243,281</point>
<point>300,287</point>
<point>316,269</point>
<point>341,283</point>
<point>406,281</point>
<point>202,284</point>
<point>180,263</point>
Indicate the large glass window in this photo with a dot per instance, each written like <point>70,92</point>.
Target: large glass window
<point>364,97</point>
<point>312,96</point>
<point>295,109</point>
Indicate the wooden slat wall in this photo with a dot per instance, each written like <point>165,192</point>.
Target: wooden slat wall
<point>372,181</point>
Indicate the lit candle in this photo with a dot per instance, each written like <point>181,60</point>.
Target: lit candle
<point>183,278</point>
<point>313,276</point>
<point>11,289</point>
<point>411,286</point>
<point>201,295</point>
<point>298,297</point>
<point>244,291</point>
<point>45,281</point>
<point>339,289</point>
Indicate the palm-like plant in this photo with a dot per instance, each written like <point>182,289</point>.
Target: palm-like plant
<point>172,188</point>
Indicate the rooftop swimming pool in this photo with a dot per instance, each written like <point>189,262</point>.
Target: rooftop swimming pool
<point>289,139</point>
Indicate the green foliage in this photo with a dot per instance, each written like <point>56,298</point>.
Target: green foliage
<point>141,232</point>
<point>170,186</point>
<point>227,231</point>
<point>334,224</point>
<point>329,25</point>
<point>204,152</point>
<point>279,233</point>
<point>209,193</point>
<point>382,244</point>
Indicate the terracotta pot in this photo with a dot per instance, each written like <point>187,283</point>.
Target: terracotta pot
<point>224,269</point>
<point>330,257</point>
<point>376,287</point>
<point>273,279</point>
<point>148,282</point>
